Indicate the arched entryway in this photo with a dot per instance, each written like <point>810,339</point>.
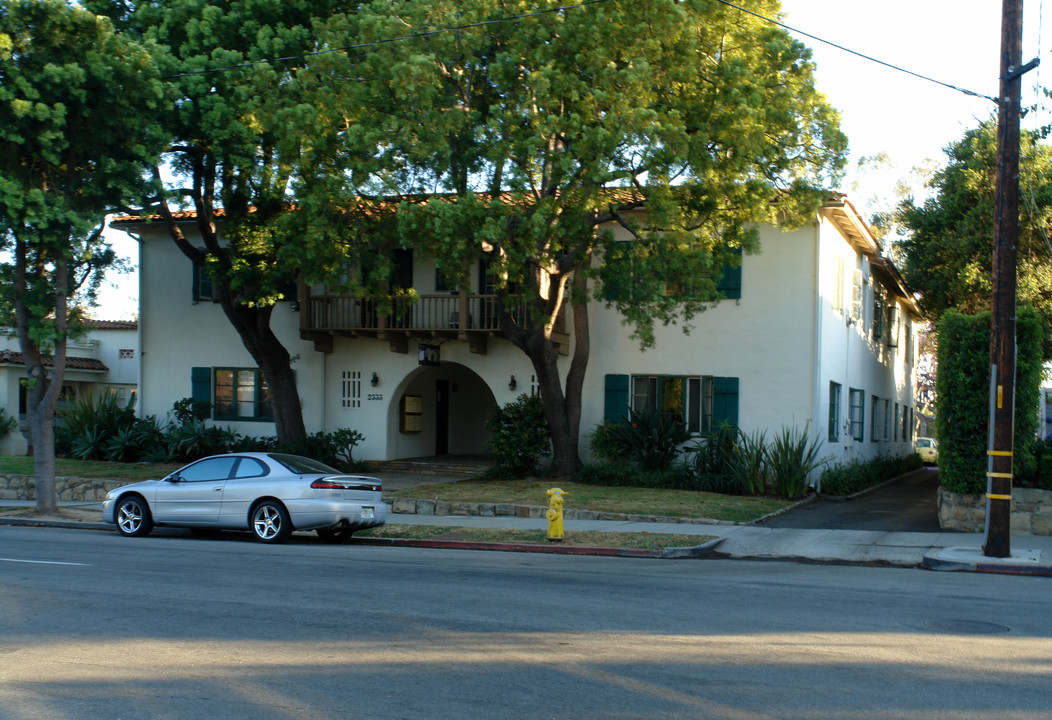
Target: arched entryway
<point>439,410</point>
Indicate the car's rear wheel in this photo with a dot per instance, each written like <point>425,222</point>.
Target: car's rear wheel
<point>133,516</point>
<point>336,535</point>
<point>270,522</point>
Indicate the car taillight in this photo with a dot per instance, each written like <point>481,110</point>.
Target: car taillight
<point>326,485</point>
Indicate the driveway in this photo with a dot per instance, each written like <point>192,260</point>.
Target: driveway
<point>907,504</point>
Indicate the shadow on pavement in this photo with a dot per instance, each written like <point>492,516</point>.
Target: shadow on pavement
<point>907,504</point>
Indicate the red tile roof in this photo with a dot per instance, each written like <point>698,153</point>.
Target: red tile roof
<point>114,324</point>
<point>9,357</point>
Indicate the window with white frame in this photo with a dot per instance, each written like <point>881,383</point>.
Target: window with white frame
<point>838,285</point>
<point>857,413</point>
<point>241,394</point>
<point>688,399</point>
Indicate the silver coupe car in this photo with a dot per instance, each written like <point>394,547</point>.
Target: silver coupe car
<point>270,494</point>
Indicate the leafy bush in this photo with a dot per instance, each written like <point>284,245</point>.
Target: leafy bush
<point>749,464</point>
<point>519,436</point>
<point>712,461</point>
<point>650,440</point>
<point>7,424</point>
<point>100,428</point>
<point>87,424</point>
<point>791,458</point>
<point>1043,464</point>
<point>963,390</point>
<point>853,477</point>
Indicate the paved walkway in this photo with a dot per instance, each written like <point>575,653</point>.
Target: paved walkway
<point>936,550</point>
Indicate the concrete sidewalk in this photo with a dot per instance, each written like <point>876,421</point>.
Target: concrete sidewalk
<point>1031,554</point>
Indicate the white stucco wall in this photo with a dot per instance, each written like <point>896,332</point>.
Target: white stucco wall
<point>783,341</point>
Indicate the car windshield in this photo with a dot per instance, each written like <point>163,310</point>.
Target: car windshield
<point>922,442</point>
<point>302,465</point>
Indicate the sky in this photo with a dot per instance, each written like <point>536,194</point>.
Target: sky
<point>882,110</point>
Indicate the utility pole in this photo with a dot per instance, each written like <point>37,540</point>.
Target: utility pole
<point>1002,317</point>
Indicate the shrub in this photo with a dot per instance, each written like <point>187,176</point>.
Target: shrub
<point>519,436</point>
<point>748,463</point>
<point>87,424</point>
<point>651,440</point>
<point>963,390</point>
<point>792,457</point>
<point>853,477</point>
<point>7,424</point>
<point>712,461</point>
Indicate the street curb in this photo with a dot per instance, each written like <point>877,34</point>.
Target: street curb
<point>697,551</point>
<point>1026,562</point>
<point>69,524</point>
<point>670,553</point>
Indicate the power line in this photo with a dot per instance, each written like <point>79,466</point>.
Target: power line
<point>856,53</point>
<point>561,8</point>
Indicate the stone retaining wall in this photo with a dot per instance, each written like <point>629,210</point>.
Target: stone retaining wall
<point>1031,511</point>
<point>76,489</point>
<point>412,506</point>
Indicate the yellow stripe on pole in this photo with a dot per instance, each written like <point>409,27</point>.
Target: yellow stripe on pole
<point>999,497</point>
<point>999,453</point>
<point>999,475</point>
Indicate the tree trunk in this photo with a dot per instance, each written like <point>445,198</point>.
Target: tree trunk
<point>42,392</point>
<point>579,363</point>
<point>563,414</point>
<point>253,326</point>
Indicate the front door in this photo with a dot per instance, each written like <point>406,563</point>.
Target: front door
<point>441,417</point>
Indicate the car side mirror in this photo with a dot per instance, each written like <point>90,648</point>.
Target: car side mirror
<point>173,479</point>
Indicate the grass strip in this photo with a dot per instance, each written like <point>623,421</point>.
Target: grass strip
<point>627,500</point>
<point>574,538</point>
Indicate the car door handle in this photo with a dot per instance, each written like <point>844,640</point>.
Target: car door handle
<point>217,489</point>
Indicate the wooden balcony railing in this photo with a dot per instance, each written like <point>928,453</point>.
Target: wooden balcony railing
<point>466,317</point>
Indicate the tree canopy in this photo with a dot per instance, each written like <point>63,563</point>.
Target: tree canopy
<point>78,129</point>
<point>948,250</point>
<point>530,129</point>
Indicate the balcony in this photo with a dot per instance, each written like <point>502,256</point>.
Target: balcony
<point>468,318</point>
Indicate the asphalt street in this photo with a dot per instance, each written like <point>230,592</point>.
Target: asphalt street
<point>94,625</point>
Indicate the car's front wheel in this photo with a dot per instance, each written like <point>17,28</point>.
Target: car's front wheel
<point>133,516</point>
<point>270,522</point>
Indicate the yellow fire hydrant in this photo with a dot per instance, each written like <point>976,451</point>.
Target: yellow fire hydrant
<point>555,514</point>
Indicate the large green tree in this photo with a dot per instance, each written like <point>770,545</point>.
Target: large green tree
<point>252,156</point>
<point>525,134</point>
<point>948,247</point>
<point>78,129</point>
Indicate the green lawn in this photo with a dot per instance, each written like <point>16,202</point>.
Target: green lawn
<point>630,501</point>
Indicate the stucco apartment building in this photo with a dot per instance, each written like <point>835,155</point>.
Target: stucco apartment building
<point>104,360</point>
<point>816,332</point>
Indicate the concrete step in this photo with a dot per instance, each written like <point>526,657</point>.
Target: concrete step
<point>466,467</point>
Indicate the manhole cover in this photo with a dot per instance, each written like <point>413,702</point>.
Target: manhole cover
<point>968,627</point>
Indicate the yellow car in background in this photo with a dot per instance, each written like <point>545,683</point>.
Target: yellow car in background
<point>928,449</point>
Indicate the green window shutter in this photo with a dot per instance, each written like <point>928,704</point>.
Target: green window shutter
<point>616,399</point>
<point>201,388</point>
<point>724,401</point>
<point>730,284</point>
<point>202,285</point>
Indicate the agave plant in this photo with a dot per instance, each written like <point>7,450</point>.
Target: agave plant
<point>791,459</point>
<point>749,463</point>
